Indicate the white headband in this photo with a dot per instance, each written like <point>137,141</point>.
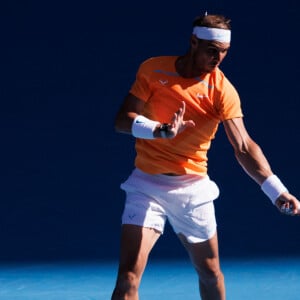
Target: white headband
<point>212,34</point>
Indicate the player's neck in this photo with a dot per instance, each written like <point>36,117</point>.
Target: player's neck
<point>185,67</point>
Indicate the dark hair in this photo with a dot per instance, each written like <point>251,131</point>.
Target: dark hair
<point>213,21</point>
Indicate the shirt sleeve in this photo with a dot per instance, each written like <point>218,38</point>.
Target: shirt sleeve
<point>229,104</point>
<point>141,88</point>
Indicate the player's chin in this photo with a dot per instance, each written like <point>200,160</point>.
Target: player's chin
<point>212,67</point>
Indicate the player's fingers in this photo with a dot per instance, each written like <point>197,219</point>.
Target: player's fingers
<point>189,123</point>
<point>183,108</point>
<point>290,208</point>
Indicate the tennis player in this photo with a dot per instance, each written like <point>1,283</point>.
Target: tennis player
<point>173,109</point>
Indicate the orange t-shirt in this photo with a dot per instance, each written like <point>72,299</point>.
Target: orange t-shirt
<point>209,99</point>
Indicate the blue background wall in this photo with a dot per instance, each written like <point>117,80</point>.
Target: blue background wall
<point>65,68</point>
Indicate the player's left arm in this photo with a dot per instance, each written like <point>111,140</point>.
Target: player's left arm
<point>252,159</point>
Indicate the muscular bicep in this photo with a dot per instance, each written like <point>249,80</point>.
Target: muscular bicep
<point>237,134</point>
<point>130,108</point>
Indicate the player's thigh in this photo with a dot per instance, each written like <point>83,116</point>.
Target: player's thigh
<point>204,255</point>
<point>136,244</point>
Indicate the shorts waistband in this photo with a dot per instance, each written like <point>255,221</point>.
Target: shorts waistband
<point>179,180</point>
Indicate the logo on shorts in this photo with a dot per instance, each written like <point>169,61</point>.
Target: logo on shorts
<point>131,216</point>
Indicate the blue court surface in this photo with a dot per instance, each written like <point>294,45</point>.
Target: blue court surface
<point>249,279</point>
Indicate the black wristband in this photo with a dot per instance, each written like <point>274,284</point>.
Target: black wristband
<point>163,129</point>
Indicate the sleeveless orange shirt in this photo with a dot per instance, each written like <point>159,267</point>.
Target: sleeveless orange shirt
<point>209,99</point>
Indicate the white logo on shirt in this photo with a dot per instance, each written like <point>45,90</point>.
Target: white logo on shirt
<point>163,82</point>
<point>200,96</point>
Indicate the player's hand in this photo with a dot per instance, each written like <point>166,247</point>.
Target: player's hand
<point>288,204</point>
<point>178,124</point>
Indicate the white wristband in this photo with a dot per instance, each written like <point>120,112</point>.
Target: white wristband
<point>273,188</point>
<point>143,128</point>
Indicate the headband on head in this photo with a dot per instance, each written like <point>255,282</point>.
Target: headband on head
<point>212,34</point>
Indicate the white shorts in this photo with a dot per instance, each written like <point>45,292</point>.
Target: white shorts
<point>186,201</point>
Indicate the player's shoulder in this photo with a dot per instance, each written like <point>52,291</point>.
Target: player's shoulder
<point>158,61</point>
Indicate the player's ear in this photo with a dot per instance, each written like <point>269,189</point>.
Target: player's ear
<point>194,42</point>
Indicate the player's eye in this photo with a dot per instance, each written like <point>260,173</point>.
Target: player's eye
<point>212,51</point>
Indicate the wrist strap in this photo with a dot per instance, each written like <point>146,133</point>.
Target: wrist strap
<point>143,128</point>
<point>273,188</point>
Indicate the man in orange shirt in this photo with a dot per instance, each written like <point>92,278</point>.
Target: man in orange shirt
<point>173,109</point>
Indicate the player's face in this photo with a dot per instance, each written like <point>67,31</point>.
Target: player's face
<point>208,55</point>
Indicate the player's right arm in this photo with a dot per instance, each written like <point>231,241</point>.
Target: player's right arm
<point>133,107</point>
